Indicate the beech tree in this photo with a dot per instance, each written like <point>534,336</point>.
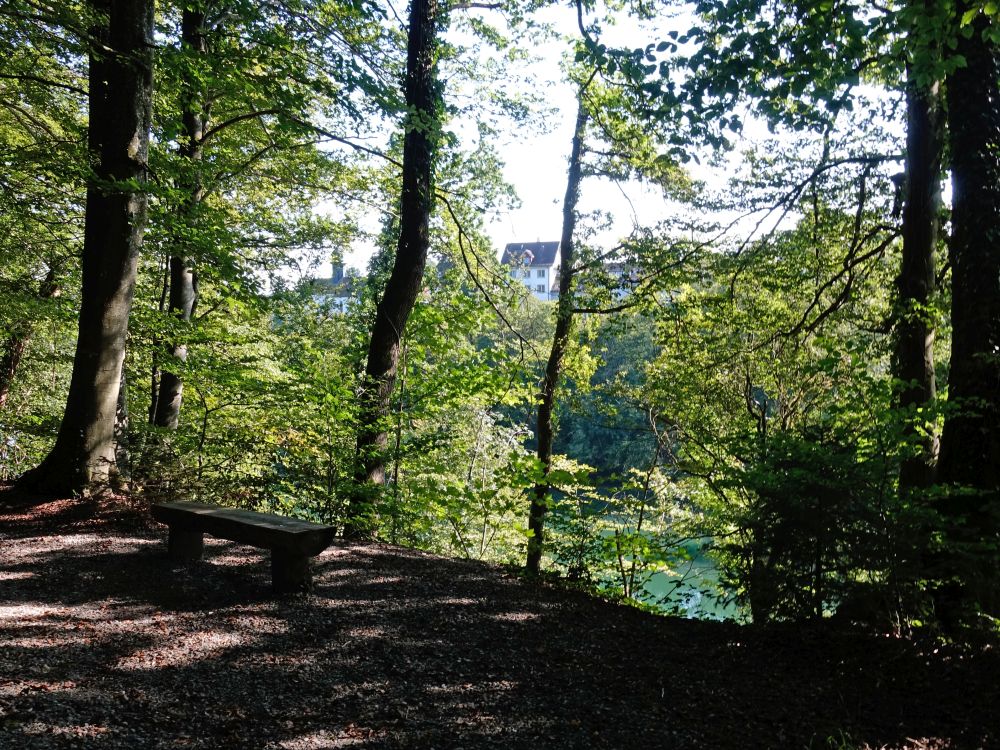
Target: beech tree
<point>913,355</point>
<point>970,442</point>
<point>196,107</point>
<point>422,124</point>
<point>120,106</point>
<point>544,428</point>
<point>248,95</point>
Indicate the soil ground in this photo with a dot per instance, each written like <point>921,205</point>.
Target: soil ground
<point>105,643</point>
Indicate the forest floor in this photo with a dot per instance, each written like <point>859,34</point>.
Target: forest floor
<point>104,643</point>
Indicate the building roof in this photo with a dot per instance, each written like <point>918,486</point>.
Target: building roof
<point>530,254</point>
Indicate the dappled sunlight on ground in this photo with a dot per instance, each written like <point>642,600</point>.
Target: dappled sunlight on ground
<point>515,616</point>
<point>349,736</point>
<point>484,687</point>
<point>183,651</point>
<point>105,643</point>
<point>15,575</point>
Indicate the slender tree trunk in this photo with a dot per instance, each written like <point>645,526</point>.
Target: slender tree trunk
<point>913,358</point>
<point>560,342</point>
<point>183,280</point>
<point>183,297</point>
<point>123,455</point>
<point>13,351</point>
<point>393,310</point>
<point>970,441</point>
<point>118,138</point>
<point>17,342</point>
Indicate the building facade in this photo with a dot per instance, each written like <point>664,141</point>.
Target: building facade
<point>536,265</point>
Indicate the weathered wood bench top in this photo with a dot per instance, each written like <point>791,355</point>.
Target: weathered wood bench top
<point>247,526</point>
<point>291,541</point>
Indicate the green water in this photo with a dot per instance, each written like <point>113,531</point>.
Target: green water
<point>692,591</point>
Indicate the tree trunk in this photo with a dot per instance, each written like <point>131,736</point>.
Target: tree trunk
<point>970,449</point>
<point>123,454</point>
<point>970,441</point>
<point>118,138</point>
<point>560,342</point>
<point>17,341</point>
<point>913,358</point>
<point>183,280</point>
<point>13,351</point>
<point>183,297</point>
<point>419,146</point>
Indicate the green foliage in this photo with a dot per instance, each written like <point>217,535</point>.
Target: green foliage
<point>42,150</point>
<point>737,404</point>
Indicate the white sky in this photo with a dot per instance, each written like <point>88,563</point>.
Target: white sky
<point>537,167</point>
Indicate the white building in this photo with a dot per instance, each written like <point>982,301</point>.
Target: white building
<point>338,293</point>
<point>536,265</point>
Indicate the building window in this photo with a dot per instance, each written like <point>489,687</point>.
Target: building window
<point>540,288</point>
<point>540,273</point>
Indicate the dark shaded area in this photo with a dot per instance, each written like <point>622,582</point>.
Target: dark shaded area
<point>104,643</point>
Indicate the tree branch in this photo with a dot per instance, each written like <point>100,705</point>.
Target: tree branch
<point>235,120</point>
<point>45,82</point>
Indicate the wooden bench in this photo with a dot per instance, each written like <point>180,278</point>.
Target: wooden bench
<point>291,541</point>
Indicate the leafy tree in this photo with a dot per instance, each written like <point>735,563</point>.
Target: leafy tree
<point>120,96</point>
<point>250,94</point>
<point>774,358</point>
<point>970,440</point>
<point>560,343</point>
<point>42,141</point>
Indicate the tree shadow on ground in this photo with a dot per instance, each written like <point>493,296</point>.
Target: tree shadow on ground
<point>107,644</point>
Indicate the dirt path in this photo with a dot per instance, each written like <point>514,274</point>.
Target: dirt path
<point>106,644</point>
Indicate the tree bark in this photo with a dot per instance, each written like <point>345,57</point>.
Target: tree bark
<point>560,341</point>
<point>970,446</point>
<point>913,358</point>
<point>183,280</point>
<point>118,139</point>
<point>423,97</point>
<point>183,297</point>
<point>18,340</point>
<point>970,441</point>
<point>123,454</point>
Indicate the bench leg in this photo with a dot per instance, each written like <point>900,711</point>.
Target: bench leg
<point>289,572</point>
<point>184,545</point>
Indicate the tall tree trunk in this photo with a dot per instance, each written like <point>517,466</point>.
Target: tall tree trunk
<point>183,280</point>
<point>970,441</point>
<point>913,358</point>
<point>560,342</point>
<point>423,96</point>
<point>118,138</point>
<point>18,339</point>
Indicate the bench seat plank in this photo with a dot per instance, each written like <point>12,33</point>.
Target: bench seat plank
<point>290,535</point>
